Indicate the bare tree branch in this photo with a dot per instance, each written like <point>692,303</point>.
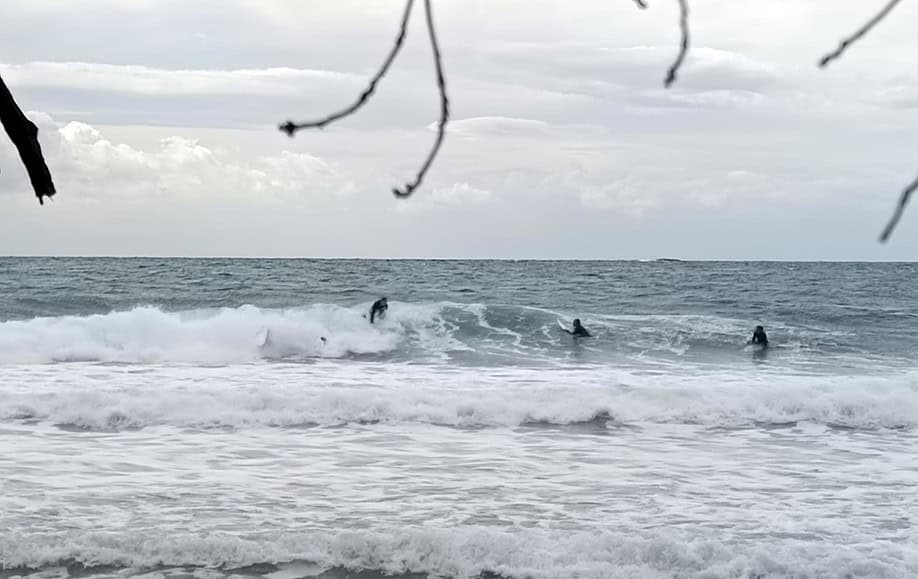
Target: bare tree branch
<point>683,49</point>
<point>291,128</point>
<point>444,108</point>
<point>845,43</point>
<point>641,4</point>
<point>900,208</point>
<point>24,135</point>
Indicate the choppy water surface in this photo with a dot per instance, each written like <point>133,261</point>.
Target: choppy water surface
<point>184,418</point>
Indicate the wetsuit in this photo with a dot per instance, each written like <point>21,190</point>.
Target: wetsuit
<point>379,309</point>
<point>579,331</point>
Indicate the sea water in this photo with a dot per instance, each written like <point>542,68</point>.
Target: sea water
<point>184,418</point>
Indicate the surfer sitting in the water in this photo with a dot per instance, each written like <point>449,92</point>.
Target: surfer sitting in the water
<point>378,310</point>
<point>579,331</point>
<point>759,337</point>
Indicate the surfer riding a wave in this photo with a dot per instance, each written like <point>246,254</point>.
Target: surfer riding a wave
<point>379,309</point>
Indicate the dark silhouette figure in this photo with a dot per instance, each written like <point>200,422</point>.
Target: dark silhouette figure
<point>579,331</point>
<point>759,337</point>
<point>378,310</point>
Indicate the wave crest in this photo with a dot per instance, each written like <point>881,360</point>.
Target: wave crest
<point>299,396</point>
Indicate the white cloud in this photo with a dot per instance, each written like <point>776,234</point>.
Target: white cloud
<point>624,195</point>
<point>163,82</point>
<point>476,127</point>
<point>456,196</point>
<point>461,193</point>
<point>88,165</point>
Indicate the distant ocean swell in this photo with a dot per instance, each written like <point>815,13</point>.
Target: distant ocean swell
<point>466,333</point>
<point>598,397</point>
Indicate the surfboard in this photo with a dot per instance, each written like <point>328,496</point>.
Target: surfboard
<point>262,337</point>
<point>562,325</point>
<point>750,347</point>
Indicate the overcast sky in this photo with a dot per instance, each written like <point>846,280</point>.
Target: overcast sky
<point>158,121</point>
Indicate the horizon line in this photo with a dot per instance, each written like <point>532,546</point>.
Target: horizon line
<point>516,259</point>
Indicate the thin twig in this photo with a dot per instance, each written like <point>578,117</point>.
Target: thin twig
<point>291,128</point>
<point>24,135</point>
<point>683,49</point>
<point>641,4</point>
<point>900,208</point>
<point>444,108</point>
<point>845,43</point>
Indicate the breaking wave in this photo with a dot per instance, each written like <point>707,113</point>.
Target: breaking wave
<point>445,331</point>
<point>466,553</point>
<point>302,396</point>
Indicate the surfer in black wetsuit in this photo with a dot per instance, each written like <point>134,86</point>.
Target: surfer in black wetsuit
<point>378,310</point>
<point>579,331</point>
<point>759,337</point>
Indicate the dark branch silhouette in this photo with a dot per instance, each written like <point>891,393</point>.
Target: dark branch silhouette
<point>24,135</point>
<point>641,4</point>
<point>291,128</point>
<point>836,54</point>
<point>444,108</point>
<point>845,43</point>
<point>900,208</point>
<point>684,46</point>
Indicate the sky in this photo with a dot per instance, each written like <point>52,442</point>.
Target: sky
<point>158,120</point>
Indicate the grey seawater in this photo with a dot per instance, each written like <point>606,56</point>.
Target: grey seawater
<point>147,430</point>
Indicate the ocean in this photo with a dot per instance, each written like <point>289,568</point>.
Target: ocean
<point>184,419</point>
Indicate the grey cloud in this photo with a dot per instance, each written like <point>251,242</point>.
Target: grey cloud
<point>620,68</point>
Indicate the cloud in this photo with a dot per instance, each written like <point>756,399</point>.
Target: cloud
<point>496,127</point>
<point>87,165</point>
<point>582,66</point>
<point>458,195</point>
<point>134,79</point>
<point>624,195</point>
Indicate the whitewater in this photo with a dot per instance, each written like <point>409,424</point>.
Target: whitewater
<point>242,418</point>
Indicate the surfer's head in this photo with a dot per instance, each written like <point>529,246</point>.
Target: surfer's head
<point>576,322</point>
<point>759,329</point>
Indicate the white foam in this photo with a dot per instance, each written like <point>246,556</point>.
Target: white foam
<point>227,335</point>
<point>106,397</point>
<point>466,552</point>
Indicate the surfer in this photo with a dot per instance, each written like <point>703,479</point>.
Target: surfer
<point>579,331</point>
<point>378,310</point>
<point>759,337</point>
